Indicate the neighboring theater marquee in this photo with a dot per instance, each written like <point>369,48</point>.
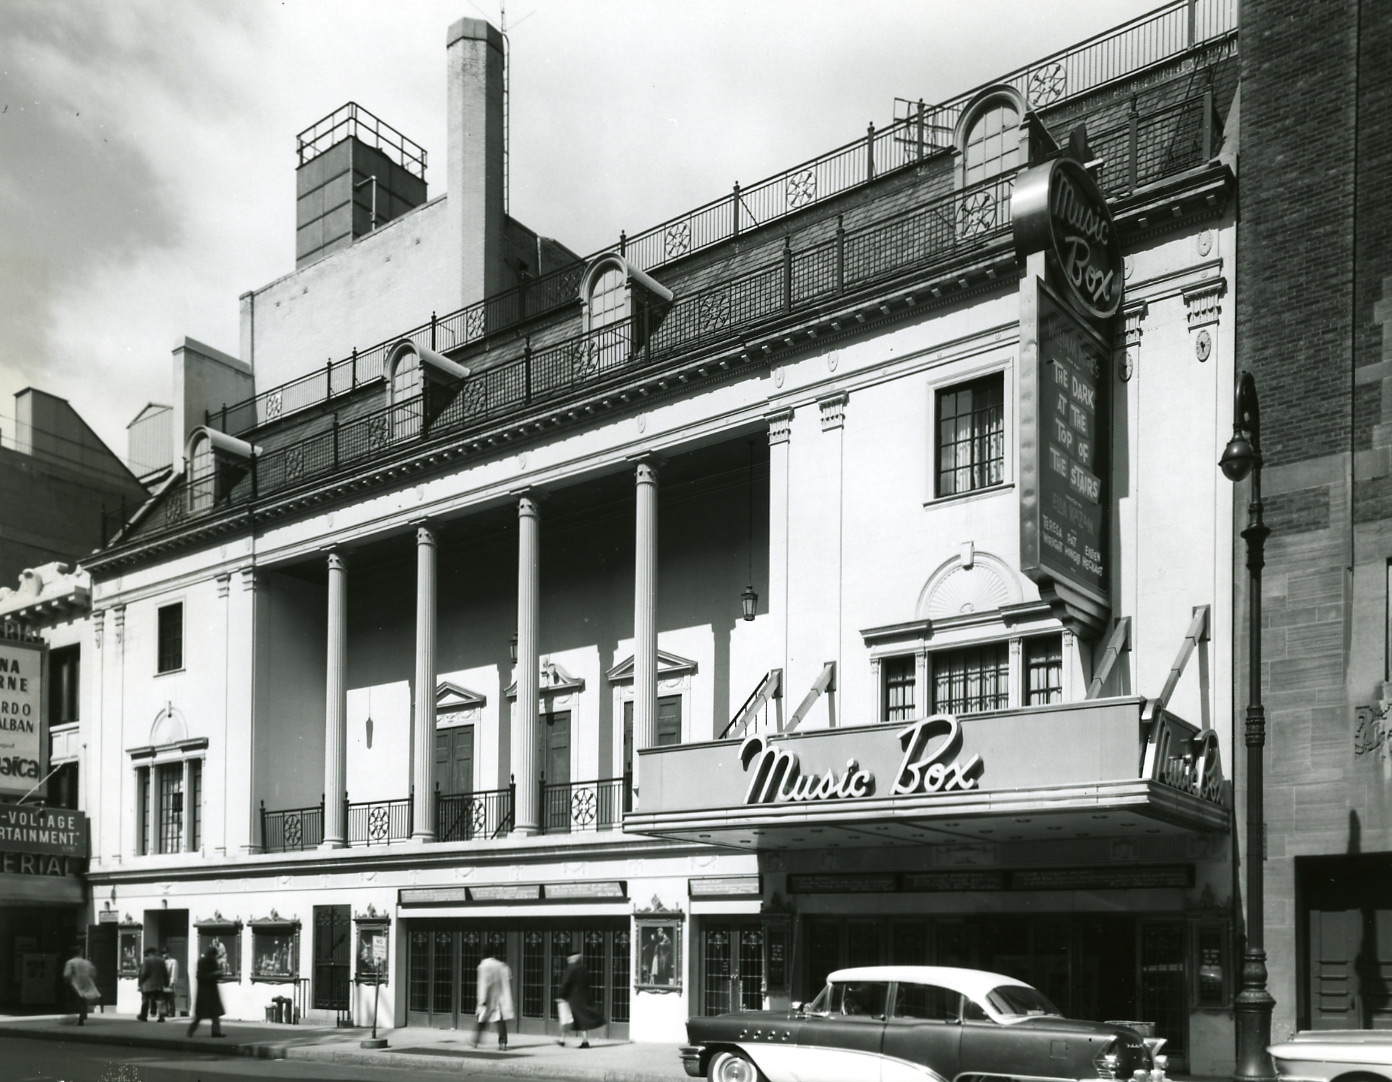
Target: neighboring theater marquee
<point>1101,767</point>
<point>23,713</point>
<point>1069,298</point>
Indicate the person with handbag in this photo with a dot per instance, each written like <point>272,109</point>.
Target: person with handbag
<point>494,998</point>
<point>574,1008</point>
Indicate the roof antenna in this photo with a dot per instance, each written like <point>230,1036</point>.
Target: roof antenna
<point>507,103</point>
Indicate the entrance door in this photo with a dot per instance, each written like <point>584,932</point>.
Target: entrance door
<point>732,967</point>
<point>101,952</point>
<point>332,957</point>
<point>1348,926</point>
<point>454,759</point>
<point>556,757</point>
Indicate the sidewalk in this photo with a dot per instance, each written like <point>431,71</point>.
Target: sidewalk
<point>529,1056</point>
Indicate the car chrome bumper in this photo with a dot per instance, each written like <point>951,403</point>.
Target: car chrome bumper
<point>691,1059</point>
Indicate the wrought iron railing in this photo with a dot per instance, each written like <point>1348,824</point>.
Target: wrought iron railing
<point>292,829</point>
<point>462,817</point>
<point>378,822</point>
<point>917,132</point>
<point>575,806</point>
<point>352,119</point>
<point>950,227</point>
<point>1165,34</point>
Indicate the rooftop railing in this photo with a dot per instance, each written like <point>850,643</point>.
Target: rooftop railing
<point>1143,149</point>
<point>917,132</point>
<point>352,119</point>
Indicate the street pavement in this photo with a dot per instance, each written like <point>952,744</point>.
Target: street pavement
<point>410,1048</point>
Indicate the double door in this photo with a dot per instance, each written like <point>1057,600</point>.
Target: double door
<point>443,959</point>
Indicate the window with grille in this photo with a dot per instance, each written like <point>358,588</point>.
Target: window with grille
<point>332,957</point>
<point>142,792</point>
<point>1043,670</point>
<point>170,780</point>
<point>171,638</point>
<point>971,680</point>
<point>971,435</point>
<point>992,145</point>
<point>608,316</point>
<point>897,676</point>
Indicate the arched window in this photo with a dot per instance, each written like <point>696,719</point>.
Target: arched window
<point>404,389</point>
<point>992,143</point>
<point>202,481</point>
<point>608,308</point>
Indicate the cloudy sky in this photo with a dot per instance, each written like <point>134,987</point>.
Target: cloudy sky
<point>147,147</point>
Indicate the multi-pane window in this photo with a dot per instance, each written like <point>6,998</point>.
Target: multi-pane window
<point>405,392</point>
<point>170,815</point>
<point>171,638</point>
<point>63,671</point>
<point>993,144</point>
<point>202,482</point>
<point>971,435</point>
<point>170,779</point>
<point>897,676</point>
<point>971,680</point>
<point>1043,670</point>
<point>608,312</point>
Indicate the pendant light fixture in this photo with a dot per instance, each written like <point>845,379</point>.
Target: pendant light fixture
<point>748,598</point>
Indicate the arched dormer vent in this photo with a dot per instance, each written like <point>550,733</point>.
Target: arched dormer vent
<point>415,378</point>
<point>214,464</point>
<point>622,308</point>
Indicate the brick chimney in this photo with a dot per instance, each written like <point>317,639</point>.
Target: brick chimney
<point>474,176</point>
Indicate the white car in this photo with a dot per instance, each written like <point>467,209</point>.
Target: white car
<point>1335,1055</point>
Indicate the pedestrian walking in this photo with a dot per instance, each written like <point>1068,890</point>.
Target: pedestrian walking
<point>168,1008</point>
<point>578,1012</point>
<point>208,1002</point>
<point>152,979</point>
<point>494,998</point>
<point>81,976</point>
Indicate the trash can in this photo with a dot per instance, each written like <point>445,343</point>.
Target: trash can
<point>271,1010</point>
<point>281,1006</point>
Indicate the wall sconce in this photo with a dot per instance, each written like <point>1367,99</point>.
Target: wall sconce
<point>748,598</point>
<point>512,648</point>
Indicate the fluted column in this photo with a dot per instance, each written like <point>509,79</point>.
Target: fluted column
<point>645,611</point>
<point>423,744</point>
<point>524,720</point>
<point>336,707</point>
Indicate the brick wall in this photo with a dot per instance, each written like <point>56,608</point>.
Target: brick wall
<point>1313,254</point>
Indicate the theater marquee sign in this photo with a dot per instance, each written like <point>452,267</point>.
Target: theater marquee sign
<point>1069,298</point>
<point>23,732</point>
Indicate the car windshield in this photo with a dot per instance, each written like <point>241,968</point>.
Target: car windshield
<point>1017,1001</point>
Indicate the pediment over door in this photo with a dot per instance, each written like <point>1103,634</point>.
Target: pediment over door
<point>669,666</point>
<point>456,705</point>
<point>554,681</point>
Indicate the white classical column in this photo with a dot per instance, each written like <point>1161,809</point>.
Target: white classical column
<point>423,742</point>
<point>336,707</point>
<point>645,612</point>
<point>780,429</point>
<point>524,719</point>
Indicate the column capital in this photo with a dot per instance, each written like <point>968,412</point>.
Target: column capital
<point>425,533</point>
<point>529,503</point>
<point>647,467</point>
<point>250,578</point>
<point>833,407</point>
<point>780,423</point>
<point>337,559</point>
<point>224,586</point>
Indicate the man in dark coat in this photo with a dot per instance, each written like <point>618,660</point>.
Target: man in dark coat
<point>575,991</point>
<point>208,1002</point>
<point>152,980</point>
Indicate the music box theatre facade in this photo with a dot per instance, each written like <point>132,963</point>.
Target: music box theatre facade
<point>835,574</point>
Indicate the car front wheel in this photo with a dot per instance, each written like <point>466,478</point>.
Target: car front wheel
<point>732,1067</point>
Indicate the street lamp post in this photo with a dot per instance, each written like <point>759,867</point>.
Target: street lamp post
<point>1254,1004</point>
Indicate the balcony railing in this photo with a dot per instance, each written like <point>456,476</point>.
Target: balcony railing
<point>917,132</point>
<point>1145,148</point>
<point>576,806</point>
<point>292,829</point>
<point>379,822</point>
<point>462,817</point>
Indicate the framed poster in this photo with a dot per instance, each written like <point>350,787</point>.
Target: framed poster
<point>659,954</point>
<point>372,952</point>
<point>275,950</point>
<point>128,950</point>
<point>226,940</point>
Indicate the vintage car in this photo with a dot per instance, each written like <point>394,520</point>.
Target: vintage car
<point>920,1023</point>
<point>1335,1055</point>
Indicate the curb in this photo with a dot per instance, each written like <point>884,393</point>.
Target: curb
<point>83,1035</point>
<point>499,1065</point>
